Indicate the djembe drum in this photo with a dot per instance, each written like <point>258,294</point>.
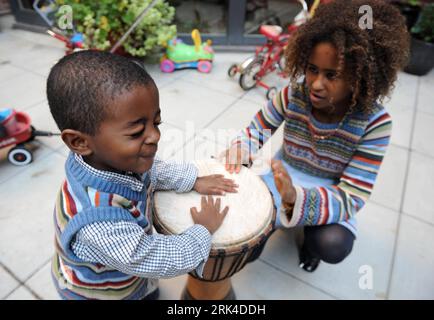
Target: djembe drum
<point>240,238</point>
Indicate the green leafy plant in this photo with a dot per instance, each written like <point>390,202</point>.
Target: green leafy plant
<point>424,27</point>
<point>414,2</point>
<point>103,22</point>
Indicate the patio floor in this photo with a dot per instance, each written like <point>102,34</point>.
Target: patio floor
<point>396,228</point>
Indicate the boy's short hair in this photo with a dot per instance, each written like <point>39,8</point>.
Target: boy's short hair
<point>81,85</point>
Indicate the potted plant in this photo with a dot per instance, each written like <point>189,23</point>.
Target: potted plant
<point>410,9</point>
<point>422,42</point>
<point>103,22</point>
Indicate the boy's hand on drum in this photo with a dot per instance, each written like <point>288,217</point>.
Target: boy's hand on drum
<point>215,184</point>
<point>210,216</point>
<point>235,157</point>
<point>283,182</point>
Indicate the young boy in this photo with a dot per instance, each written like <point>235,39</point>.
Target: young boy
<point>107,108</point>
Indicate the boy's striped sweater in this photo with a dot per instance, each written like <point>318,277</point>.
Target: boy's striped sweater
<point>109,203</point>
<point>351,154</point>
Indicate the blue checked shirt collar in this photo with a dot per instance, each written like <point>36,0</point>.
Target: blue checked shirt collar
<point>130,180</point>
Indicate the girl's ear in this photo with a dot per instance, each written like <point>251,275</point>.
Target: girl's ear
<point>77,141</point>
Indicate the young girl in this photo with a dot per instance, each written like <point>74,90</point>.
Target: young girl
<point>335,131</point>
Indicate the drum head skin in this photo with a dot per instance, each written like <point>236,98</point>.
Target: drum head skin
<point>250,210</point>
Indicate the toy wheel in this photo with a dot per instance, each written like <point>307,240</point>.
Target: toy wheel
<point>204,66</point>
<point>167,66</point>
<point>248,77</point>
<point>20,156</point>
<point>271,92</point>
<point>232,71</point>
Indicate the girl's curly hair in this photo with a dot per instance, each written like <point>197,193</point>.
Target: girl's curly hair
<point>371,58</point>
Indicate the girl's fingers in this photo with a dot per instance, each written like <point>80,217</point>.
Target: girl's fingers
<point>203,202</point>
<point>228,160</point>
<point>231,168</point>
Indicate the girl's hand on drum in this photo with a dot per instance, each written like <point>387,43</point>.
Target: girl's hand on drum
<point>210,216</point>
<point>215,184</point>
<point>283,182</point>
<point>235,157</point>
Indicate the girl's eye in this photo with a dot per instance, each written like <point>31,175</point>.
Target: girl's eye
<point>312,69</point>
<point>331,75</point>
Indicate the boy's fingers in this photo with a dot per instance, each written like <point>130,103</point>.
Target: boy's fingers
<point>225,212</point>
<point>230,183</point>
<point>203,202</point>
<point>217,192</point>
<point>210,200</point>
<point>193,211</point>
<point>228,189</point>
<point>217,204</point>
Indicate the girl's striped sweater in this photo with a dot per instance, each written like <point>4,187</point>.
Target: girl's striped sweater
<point>351,154</point>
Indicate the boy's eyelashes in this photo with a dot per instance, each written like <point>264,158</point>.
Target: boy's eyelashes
<point>140,132</point>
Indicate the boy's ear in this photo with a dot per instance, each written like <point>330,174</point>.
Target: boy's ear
<point>77,141</point>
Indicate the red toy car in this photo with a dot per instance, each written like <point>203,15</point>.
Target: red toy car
<point>16,129</point>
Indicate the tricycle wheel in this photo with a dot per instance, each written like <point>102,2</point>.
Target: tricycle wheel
<point>248,77</point>
<point>271,92</point>
<point>282,63</point>
<point>232,71</point>
<point>204,66</point>
<point>20,156</point>
<point>167,66</point>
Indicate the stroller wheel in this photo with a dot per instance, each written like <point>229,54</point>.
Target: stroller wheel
<point>271,92</point>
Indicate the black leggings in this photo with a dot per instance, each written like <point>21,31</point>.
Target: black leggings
<point>331,243</point>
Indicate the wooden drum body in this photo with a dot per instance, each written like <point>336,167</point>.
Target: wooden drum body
<point>239,239</point>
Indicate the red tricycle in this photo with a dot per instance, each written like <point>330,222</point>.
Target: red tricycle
<point>16,129</point>
<point>269,57</point>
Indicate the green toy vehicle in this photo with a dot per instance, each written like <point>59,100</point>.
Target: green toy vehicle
<point>181,56</point>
